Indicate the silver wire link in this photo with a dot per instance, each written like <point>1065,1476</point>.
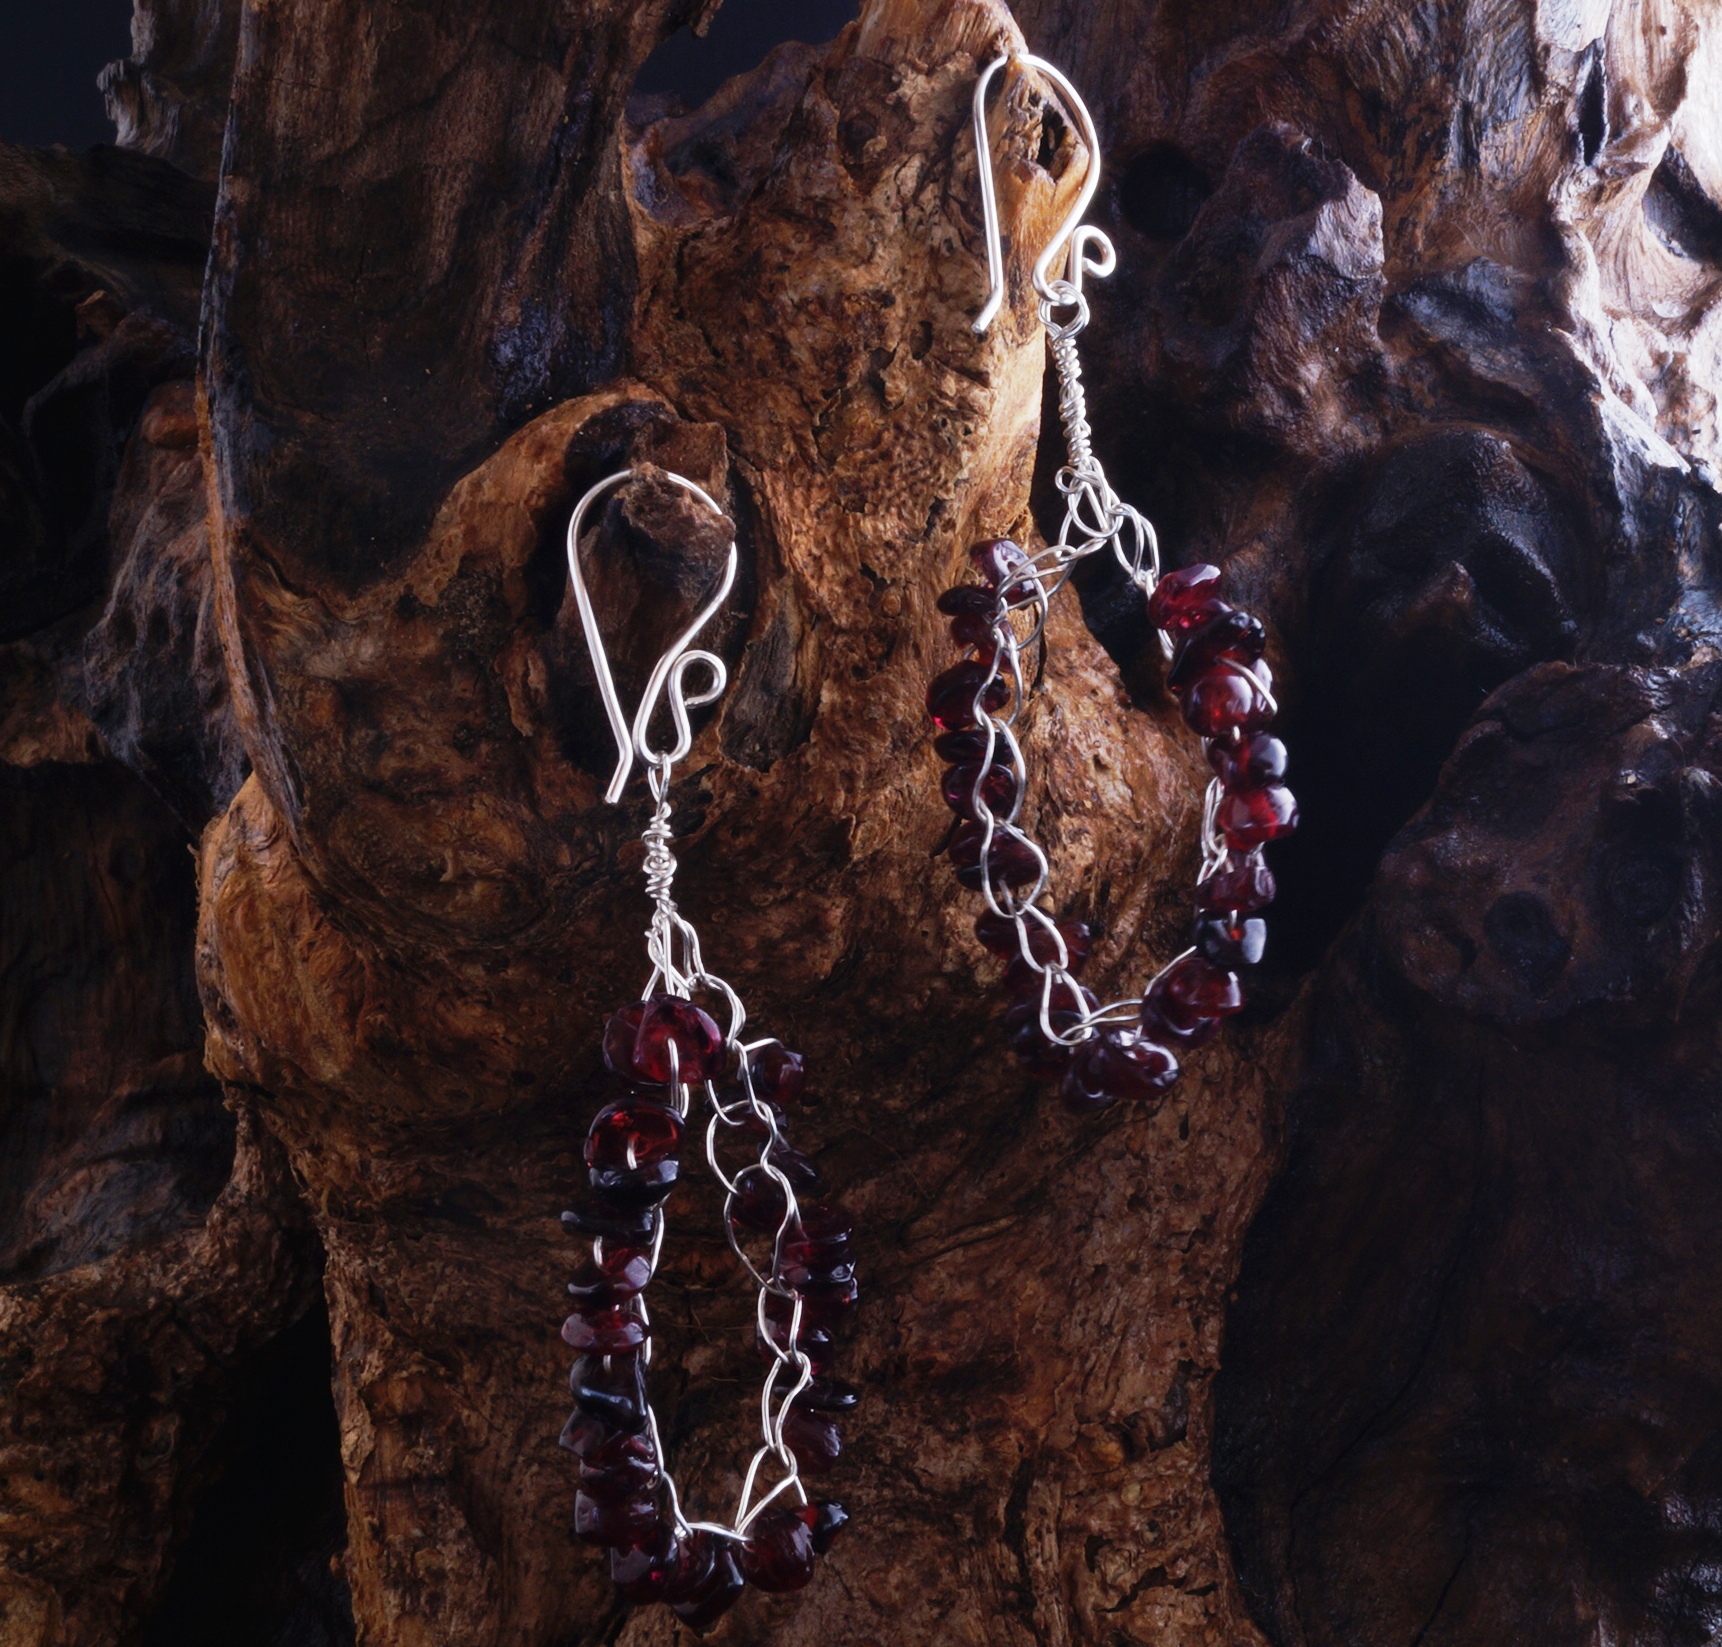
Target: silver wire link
<point>678,968</point>
<point>1094,519</point>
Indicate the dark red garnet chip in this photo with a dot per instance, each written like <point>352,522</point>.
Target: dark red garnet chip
<point>1229,633</point>
<point>952,695</point>
<point>1253,763</point>
<point>829,1519</point>
<point>778,1554</point>
<point>1253,817</point>
<point>644,1573</point>
<point>1240,886</point>
<point>1011,861</point>
<point>779,1075</point>
<point>1183,598</point>
<point>1221,698</point>
<point>968,600</point>
<point>1230,943</point>
<point>620,1525</point>
<point>706,1582</point>
<point>608,1332</point>
<point>997,789</point>
<point>1116,1064</point>
<point>958,747</point>
<point>602,1284</point>
<point>814,1439</point>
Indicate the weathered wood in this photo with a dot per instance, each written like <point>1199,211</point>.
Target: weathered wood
<point>1416,332</point>
<point>1414,329</point>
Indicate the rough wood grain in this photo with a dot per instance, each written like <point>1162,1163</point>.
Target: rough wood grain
<point>1414,329</point>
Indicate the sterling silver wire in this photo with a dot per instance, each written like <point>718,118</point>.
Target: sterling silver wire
<point>1095,518</point>
<point>673,947</point>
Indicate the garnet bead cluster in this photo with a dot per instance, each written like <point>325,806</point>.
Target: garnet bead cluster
<point>662,1047</point>
<point>1225,690</point>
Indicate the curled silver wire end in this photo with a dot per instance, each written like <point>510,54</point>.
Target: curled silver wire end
<point>670,670</point>
<point>1072,232</point>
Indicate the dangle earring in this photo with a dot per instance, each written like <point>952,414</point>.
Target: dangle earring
<point>1128,1048</point>
<point>672,1057</point>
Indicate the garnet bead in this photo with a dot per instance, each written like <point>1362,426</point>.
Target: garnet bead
<point>1200,989</point>
<point>1116,1064</point>
<point>609,1332</point>
<point>813,1342</point>
<point>624,1467</point>
<point>620,1525</point>
<point>584,1434</point>
<point>1011,861</point>
<point>958,747</point>
<point>669,1021</point>
<point>829,1395</point>
<point>759,1202</point>
<point>603,1283</point>
<point>1253,817</point>
<point>632,1151</point>
<point>824,1237</point>
<point>629,1226</point>
<point>1187,1034</point>
<point>1221,698</point>
<point>999,934</point>
<point>614,1394</point>
<point>978,632</point>
<point>632,1133</point>
<point>968,600</point>
<point>621,1031</point>
<point>827,1294</point>
<point>813,1438</point>
<point>706,1582</point>
<point>952,694</point>
<point>644,1572</point>
<point>778,1554</point>
<point>996,559</point>
<point>748,1120</point>
<point>1228,633</point>
<point>1241,885</point>
<point>1181,598</point>
<point>1254,763</point>
<point>602,1447</point>
<point>1231,943</point>
<point>1037,1054</point>
<point>804,1177</point>
<point>1064,998</point>
<point>830,1518</point>
<point>779,1075</point>
<point>1024,982</point>
<point>825,1307</point>
<point>998,790</point>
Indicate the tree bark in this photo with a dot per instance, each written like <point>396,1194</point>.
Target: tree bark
<point>1388,1326</point>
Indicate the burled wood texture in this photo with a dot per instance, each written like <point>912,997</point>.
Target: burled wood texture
<point>1418,324</point>
<point>1414,329</point>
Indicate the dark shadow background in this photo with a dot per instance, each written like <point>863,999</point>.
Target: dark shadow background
<point>50,54</point>
<point>52,50</point>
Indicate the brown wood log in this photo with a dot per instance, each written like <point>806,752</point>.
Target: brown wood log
<point>1389,1325</point>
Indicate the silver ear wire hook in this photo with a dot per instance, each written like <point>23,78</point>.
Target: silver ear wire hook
<point>700,1063</point>
<point>671,669</point>
<point>1072,231</point>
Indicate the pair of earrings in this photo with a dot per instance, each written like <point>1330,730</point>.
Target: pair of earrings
<point>797,1248</point>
